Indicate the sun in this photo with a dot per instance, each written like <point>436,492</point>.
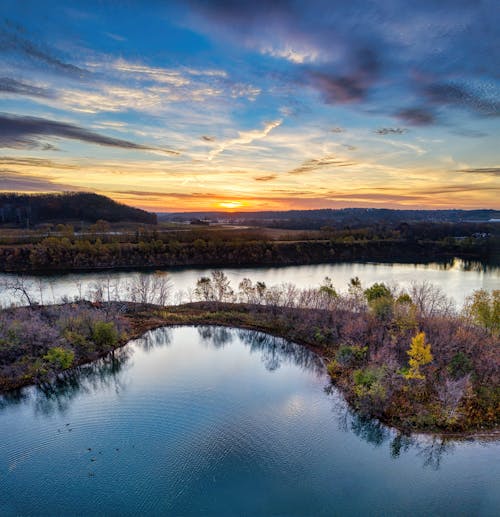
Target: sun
<point>230,204</point>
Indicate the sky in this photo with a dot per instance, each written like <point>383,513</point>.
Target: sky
<point>259,105</point>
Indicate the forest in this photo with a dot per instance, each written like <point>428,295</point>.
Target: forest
<point>104,245</point>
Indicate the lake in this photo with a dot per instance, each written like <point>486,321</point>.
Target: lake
<point>457,278</point>
<point>216,421</point>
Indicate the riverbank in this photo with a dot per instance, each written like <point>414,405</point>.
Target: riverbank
<point>62,255</point>
<point>457,394</point>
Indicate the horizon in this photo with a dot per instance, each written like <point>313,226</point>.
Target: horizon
<point>247,107</point>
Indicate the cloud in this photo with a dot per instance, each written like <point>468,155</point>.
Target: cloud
<point>245,137</point>
<point>12,40</point>
<point>12,86</point>
<point>268,177</point>
<point>337,130</point>
<point>419,116</point>
<point>352,86</point>
<point>329,161</point>
<point>493,171</point>
<point>350,52</point>
<point>453,94</point>
<point>17,132</point>
<point>391,131</point>
<point>11,181</point>
<point>34,162</point>
<point>207,138</point>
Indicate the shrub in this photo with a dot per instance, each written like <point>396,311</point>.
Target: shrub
<point>59,357</point>
<point>460,365</point>
<point>104,334</point>
<point>377,291</point>
<point>484,309</point>
<point>347,355</point>
<point>333,368</point>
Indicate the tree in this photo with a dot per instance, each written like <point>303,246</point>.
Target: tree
<point>483,308</point>
<point>327,289</point>
<point>204,289</point>
<point>420,355</point>
<point>222,287</point>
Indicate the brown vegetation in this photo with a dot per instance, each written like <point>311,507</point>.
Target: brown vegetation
<point>405,358</point>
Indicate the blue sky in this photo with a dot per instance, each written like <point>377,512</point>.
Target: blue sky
<point>253,105</point>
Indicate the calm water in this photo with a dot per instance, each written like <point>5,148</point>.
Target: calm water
<point>213,421</point>
<point>457,278</point>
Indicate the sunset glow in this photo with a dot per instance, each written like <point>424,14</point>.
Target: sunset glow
<point>197,106</point>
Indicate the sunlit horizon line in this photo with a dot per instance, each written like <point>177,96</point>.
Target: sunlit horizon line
<point>234,205</point>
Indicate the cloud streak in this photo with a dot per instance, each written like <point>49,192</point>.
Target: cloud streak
<point>17,132</point>
<point>326,162</point>
<point>244,137</point>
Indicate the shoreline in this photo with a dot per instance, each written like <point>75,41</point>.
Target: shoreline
<point>145,317</point>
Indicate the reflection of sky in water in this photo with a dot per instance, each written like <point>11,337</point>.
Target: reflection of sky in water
<point>223,422</point>
<point>457,279</point>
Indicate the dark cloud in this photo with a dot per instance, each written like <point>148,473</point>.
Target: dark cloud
<point>359,52</point>
<point>11,181</point>
<point>469,133</point>
<point>420,116</point>
<point>174,195</point>
<point>320,163</point>
<point>34,162</point>
<point>208,138</point>
<point>17,132</point>
<point>351,86</point>
<point>8,85</point>
<point>493,171</point>
<point>452,94</point>
<point>269,177</point>
<point>391,131</point>
<point>337,130</point>
<point>12,39</point>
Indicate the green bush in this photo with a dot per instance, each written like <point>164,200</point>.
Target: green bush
<point>459,366</point>
<point>59,357</point>
<point>377,291</point>
<point>104,334</point>
<point>347,355</point>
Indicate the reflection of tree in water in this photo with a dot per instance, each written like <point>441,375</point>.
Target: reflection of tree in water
<point>277,351</point>
<point>370,430</point>
<point>156,338</point>
<point>431,449</point>
<point>56,396</point>
<point>274,351</point>
<point>218,337</point>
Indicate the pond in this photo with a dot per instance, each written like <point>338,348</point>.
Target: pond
<point>217,421</point>
<point>457,278</point>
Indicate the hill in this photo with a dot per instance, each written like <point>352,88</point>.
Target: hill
<point>32,209</point>
<point>339,218</point>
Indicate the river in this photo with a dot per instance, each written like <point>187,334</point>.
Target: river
<point>456,278</point>
<point>216,421</point>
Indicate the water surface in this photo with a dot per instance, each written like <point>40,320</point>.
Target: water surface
<point>457,278</point>
<point>215,421</point>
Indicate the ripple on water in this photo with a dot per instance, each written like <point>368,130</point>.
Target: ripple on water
<point>191,425</point>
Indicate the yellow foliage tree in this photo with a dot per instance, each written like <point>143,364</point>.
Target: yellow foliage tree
<point>420,354</point>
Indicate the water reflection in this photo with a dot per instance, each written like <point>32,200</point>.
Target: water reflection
<point>56,397</point>
<point>107,374</point>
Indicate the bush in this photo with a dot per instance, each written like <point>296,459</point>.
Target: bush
<point>347,355</point>
<point>377,291</point>
<point>59,357</point>
<point>104,334</point>
<point>460,365</point>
